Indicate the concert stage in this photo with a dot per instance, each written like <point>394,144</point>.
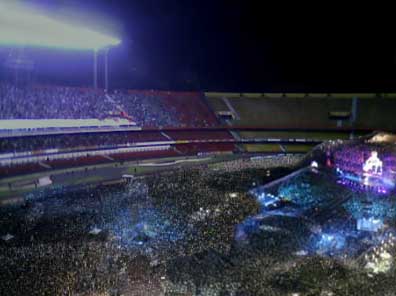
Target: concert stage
<point>345,210</point>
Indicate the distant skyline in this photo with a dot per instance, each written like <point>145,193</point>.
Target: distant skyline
<point>227,46</point>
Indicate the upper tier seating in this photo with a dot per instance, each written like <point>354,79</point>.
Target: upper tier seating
<point>145,108</point>
<point>299,111</point>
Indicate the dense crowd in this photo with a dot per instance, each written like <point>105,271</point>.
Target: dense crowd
<point>146,109</point>
<point>164,234</point>
<point>309,190</point>
<point>282,160</point>
<point>114,238</point>
<point>143,108</point>
<point>52,103</point>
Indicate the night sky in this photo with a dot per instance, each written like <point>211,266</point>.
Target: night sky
<point>231,46</point>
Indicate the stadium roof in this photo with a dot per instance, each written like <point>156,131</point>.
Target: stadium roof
<point>20,26</point>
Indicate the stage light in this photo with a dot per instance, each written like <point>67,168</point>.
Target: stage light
<point>23,27</point>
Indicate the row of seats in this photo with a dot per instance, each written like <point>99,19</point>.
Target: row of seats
<point>77,141</point>
<point>309,112</point>
<point>199,135</point>
<point>97,140</point>
<point>177,150</point>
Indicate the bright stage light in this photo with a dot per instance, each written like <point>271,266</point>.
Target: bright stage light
<point>22,27</point>
<point>373,164</point>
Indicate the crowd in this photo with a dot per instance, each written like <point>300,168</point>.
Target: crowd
<point>273,161</point>
<point>52,103</point>
<point>309,190</point>
<point>162,234</point>
<point>143,108</point>
<point>137,226</point>
<point>146,109</point>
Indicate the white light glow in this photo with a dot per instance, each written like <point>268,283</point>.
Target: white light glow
<point>22,27</point>
<point>373,164</point>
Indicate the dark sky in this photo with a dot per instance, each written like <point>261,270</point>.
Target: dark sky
<point>233,46</point>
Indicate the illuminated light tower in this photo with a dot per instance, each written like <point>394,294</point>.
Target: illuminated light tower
<point>106,66</point>
<point>95,68</point>
<point>25,27</point>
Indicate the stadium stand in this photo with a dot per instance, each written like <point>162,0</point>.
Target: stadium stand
<point>145,108</point>
<point>37,163</point>
<point>285,112</point>
<point>199,135</point>
<point>77,141</point>
<point>52,103</point>
<point>302,111</point>
<point>192,109</point>
<point>81,159</point>
<point>186,121</point>
<point>201,148</point>
<point>306,110</point>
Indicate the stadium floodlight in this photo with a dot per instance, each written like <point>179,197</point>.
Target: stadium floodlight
<point>22,27</point>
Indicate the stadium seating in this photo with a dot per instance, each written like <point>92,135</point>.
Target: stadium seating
<point>77,141</point>
<point>26,168</point>
<point>195,148</point>
<point>284,112</point>
<point>52,103</point>
<point>166,109</point>
<point>199,135</point>
<point>192,109</point>
<point>6,171</point>
<point>143,155</point>
<point>305,111</point>
<point>145,108</point>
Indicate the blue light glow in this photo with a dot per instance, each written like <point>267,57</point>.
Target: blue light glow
<point>328,243</point>
<point>150,227</point>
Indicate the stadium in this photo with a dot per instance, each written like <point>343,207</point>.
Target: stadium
<point>124,191</point>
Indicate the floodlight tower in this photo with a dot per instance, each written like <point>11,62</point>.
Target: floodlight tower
<point>96,52</point>
<point>106,67</point>
<point>22,27</point>
<point>19,65</point>
<point>95,68</point>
